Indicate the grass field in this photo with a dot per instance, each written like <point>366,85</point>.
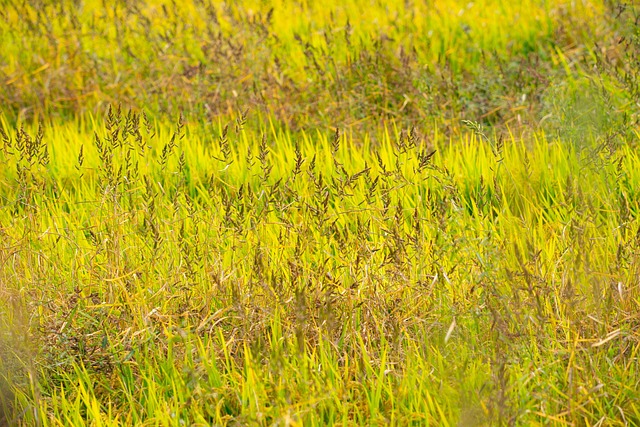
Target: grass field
<point>319,213</point>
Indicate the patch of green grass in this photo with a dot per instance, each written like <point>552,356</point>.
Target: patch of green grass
<point>347,213</point>
<point>354,64</point>
<point>250,278</point>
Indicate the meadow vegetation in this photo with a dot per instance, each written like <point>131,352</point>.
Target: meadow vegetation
<point>319,213</point>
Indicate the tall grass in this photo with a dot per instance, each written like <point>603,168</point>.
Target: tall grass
<point>352,64</point>
<point>319,213</point>
<point>173,277</point>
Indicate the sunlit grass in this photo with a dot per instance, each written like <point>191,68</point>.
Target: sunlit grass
<point>307,63</point>
<point>312,213</point>
<point>402,282</point>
